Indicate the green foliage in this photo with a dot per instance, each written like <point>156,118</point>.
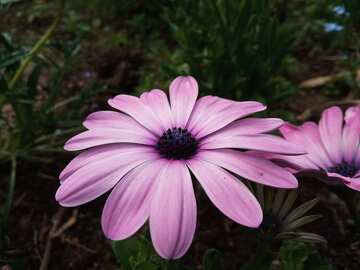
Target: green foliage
<point>238,49</point>
<point>32,102</point>
<point>352,8</point>
<point>134,252</point>
<point>293,255</point>
<point>283,219</point>
<point>296,255</point>
<point>137,253</point>
<point>36,103</point>
<point>235,49</point>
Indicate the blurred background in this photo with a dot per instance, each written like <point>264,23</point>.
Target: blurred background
<point>60,60</point>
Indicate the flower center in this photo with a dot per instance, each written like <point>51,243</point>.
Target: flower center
<point>345,169</point>
<point>177,143</point>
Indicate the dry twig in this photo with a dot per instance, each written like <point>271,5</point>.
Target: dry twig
<point>56,231</point>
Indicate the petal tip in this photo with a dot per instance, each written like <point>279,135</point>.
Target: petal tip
<point>256,221</point>
<point>59,197</point>
<point>292,184</point>
<point>111,102</point>
<point>62,175</point>
<point>333,109</point>
<point>280,122</point>
<point>68,146</point>
<point>187,81</point>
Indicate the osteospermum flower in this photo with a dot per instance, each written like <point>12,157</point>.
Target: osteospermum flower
<point>146,152</point>
<point>332,147</point>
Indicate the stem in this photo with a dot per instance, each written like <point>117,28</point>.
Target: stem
<point>11,190</point>
<point>38,45</point>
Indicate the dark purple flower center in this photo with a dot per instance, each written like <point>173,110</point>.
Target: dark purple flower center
<point>177,143</point>
<point>345,169</point>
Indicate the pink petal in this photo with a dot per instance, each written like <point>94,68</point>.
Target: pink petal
<point>338,177</point>
<point>248,126</point>
<point>183,95</point>
<point>261,142</point>
<point>159,104</point>
<point>96,137</point>
<point>101,152</point>
<point>173,212</point>
<point>308,136</point>
<point>228,194</point>
<point>350,138</point>
<point>330,128</point>
<point>292,133</point>
<point>137,109</point>
<point>357,157</point>
<point>128,206</point>
<point>249,166</point>
<point>96,178</point>
<point>354,184</point>
<point>213,113</point>
<point>351,113</point>
<point>116,120</point>
<point>300,161</point>
<point>315,146</point>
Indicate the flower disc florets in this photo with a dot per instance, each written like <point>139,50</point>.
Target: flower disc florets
<point>177,143</point>
<point>345,169</point>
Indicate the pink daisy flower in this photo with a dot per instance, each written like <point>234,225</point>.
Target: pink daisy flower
<point>332,147</point>
<point>145,154</point>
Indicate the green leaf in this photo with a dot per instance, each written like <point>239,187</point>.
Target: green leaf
<point>311,238</point>
<point>5,39</point>
<point>301,222</point>
<point>12,58</point>
<point>316,262</point>
<point>125,251</point>
<point>302,236</point>
<point>297,255</point>
<point>33,81</point>
<point>279,198</point>
<point>289,202</point>
<point>293,255</point>
<point>137,253</point>
<point>300,210</point>
<point>146,266</point>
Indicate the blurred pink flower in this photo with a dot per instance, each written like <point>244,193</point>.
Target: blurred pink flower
<point>147,151</point>
<point>332,147</point>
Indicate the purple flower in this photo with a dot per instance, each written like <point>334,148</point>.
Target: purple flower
<point>333,152</point>
<point>145,154</point>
